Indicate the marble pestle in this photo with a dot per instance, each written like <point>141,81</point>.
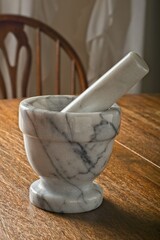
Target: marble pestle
<point>111,86</point>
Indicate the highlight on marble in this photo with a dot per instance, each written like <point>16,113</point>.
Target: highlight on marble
<point>67,151</point>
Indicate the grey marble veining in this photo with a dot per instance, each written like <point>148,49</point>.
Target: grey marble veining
<point>68,151</point>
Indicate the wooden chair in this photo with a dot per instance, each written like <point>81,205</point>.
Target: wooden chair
<point>16,25</point>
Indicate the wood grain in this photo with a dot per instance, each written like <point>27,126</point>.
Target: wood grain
<point>131,206</point>
<point>141,136</point>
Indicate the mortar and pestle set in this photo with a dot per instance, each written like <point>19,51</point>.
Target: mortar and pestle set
<point>68,140</point>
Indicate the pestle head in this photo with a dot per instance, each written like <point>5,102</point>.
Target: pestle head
<point>111,86</point>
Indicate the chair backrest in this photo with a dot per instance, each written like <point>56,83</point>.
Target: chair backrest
<point>16,25</point>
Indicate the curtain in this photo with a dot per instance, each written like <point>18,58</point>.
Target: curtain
<point>115,28</point>
<point>101,31</point>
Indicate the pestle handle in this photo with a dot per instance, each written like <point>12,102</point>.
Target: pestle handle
<point>111,86</point>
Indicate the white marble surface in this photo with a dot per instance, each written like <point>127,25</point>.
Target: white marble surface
<point>111,86</point>
<point>68,151</point>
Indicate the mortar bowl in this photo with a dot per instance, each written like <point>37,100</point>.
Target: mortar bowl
<point>67,151</point>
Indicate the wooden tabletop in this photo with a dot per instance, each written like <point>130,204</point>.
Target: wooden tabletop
<point>131,206</point>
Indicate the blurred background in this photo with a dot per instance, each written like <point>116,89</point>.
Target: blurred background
<point>101,31</point>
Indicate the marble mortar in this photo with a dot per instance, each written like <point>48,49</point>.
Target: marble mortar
<point>68,151</point>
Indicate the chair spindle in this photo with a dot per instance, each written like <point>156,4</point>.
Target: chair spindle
<point>73,72</point>
<point>57,72</point>
<point>38,62</point>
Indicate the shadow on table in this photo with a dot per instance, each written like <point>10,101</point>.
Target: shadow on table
<point>112,219</point>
